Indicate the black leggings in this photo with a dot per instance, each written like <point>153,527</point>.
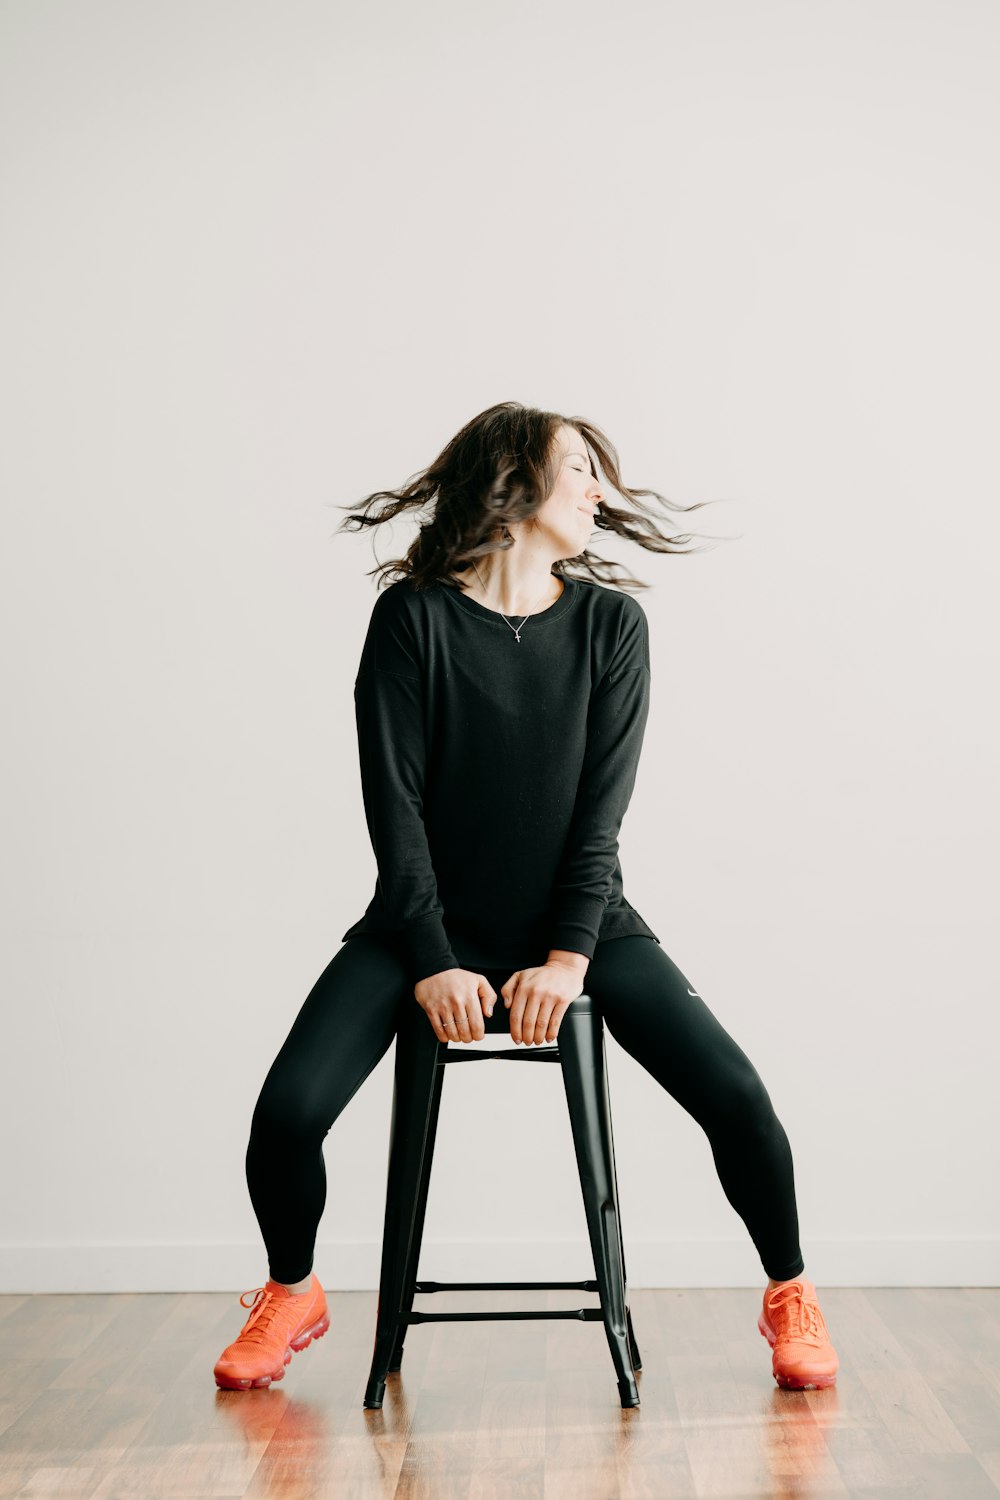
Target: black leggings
<point>348,1022</point>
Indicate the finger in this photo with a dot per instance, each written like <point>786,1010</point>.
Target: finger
<point>474,1019</point>
<point>509,992</point>
<point>542,1021</point>
<point>461,1021</point>
<point>558,1011</point>
<point>528,1011</point>
<point>450,1025</point>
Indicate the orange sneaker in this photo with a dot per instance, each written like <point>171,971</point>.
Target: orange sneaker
<point>279,1323</point>
<point>803,1358</point>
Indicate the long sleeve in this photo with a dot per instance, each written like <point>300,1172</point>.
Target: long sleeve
<point>616,724</point>
<point>389,710</point>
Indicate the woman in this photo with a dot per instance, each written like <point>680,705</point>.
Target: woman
<point>501,702</point>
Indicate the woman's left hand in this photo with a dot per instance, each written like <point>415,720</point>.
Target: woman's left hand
<point>538,999</point>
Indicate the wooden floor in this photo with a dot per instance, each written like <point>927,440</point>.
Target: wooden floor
<point>113,1396</point>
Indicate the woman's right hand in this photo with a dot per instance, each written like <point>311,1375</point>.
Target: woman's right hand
<point>455,1001</point>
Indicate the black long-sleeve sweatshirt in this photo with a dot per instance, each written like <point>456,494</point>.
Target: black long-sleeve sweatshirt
<point>496,773</point>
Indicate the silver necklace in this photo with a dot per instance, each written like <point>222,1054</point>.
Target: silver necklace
<point>516,629</point>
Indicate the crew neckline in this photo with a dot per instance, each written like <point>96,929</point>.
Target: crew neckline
<point>494,617</point>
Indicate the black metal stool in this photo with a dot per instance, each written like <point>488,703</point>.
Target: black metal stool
<point>416,1102</point>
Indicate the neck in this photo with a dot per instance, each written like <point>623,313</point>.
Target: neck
<point>514,589</point>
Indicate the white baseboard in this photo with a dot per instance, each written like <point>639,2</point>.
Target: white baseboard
<point>354,1265</point>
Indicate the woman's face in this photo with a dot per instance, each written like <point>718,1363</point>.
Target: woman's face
<point>568,513</point>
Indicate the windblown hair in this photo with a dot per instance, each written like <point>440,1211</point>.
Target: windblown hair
<point>500,468</point>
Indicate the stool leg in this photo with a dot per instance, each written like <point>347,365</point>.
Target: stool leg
<point>420,1211</point>
<point>584,1070</point>
<point>413,1111</point>
<point>632,1345</point>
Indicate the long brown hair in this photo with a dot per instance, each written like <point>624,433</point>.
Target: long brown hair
<point>500,467</point>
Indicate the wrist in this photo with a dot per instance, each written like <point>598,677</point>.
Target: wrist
<point>578,961</point>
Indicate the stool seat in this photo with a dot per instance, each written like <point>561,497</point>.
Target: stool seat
<point>416,1101</point>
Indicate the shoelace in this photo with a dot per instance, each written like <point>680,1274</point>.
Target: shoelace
<point>262,1311</point>
<point>798,1313</point>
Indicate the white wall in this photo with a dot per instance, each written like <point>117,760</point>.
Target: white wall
<point>259,260</point>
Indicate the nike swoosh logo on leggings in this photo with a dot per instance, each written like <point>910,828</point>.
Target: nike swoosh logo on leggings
<point>694,992</point>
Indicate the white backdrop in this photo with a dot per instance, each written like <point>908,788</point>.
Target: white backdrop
<point>260,259</point>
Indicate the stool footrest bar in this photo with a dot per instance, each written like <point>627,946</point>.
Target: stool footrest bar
<point>582,1314</point>
<point>505,1286</point>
